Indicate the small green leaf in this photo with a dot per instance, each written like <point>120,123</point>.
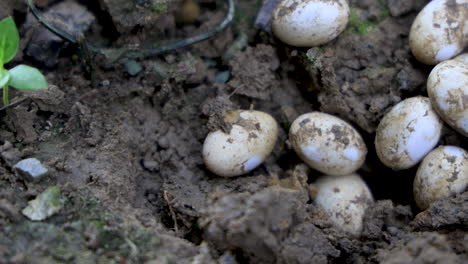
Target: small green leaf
<point>4,77</point>
<point>24,77</point>
<point>9,40</point>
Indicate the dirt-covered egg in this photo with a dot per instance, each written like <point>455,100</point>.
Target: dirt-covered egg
<point>251,139</point>
<point>345,200</point>
<point>447,87</point>
<point>442,173</point>
<point>309,23</point>
<point>462,57</point>
<point>327,143</point>
<point>407,133</point>
<point>440,31</point>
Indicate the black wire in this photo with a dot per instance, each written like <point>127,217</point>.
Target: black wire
<point>59,32</point>
<point>138,53</point>
<point>13,104</point>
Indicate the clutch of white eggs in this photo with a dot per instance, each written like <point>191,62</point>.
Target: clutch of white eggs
<point>405,136</point>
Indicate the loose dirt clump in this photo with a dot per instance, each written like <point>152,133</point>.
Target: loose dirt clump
<point>444,213</point>
<point>270,226</point>
<point>367,70</point>
<point>256,77</point>
<point>424,248</point>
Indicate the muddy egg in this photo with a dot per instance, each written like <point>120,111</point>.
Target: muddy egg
<point>439,31</point>
<point>442,173</point>
<point>407,133</point>
<point>462,58</point>
<point>447,87</point>
<point>345,200</point>
<point>309,23</point>
<point>327,143</point>
<point>251,139</point>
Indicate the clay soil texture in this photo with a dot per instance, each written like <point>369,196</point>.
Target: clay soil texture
<point>122,140</point>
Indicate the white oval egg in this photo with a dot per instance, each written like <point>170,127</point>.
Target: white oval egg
<point>345,200</point>
<point>447,87</point>
<point>442,173</point>
<point>437,33</point>
<point>462,57</point>
<point>309,23</point>
<point>407,133</point>
<point>327,143</point>
<point>249,142</point>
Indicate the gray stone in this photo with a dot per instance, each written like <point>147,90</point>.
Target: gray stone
<point>45,205</point>
<point>264,15</point>
<point>30,169</point>
<point>222,77</point>
<point>133,67</point>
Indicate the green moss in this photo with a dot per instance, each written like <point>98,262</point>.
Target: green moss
<point>359,26</point>
<point>159,8</point>
<point>55,197</point>
<point>285,124</point>
<point>363,27</point>
<point>99,224</point>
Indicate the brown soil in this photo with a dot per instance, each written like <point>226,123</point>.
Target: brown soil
<point>132,146</point>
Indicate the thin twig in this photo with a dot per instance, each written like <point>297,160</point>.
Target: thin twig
<point>173,215</point>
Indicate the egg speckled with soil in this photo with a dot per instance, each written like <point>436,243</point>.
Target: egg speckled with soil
<point>345,200</point>
<point>462,57</point>
<point>407,133</point>
<point>442,173</point>
<point>249,142</point>
<point>447,87</point>
<point>327,143</point>
<point>309,23</point>
<point>440,31</point>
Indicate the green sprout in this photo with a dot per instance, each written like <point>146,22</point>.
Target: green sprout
<point>21,77</point>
